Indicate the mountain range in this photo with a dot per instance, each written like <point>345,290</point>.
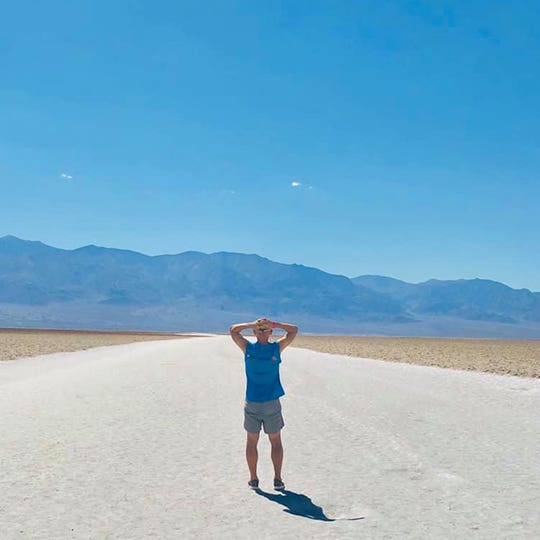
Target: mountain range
<point>105,288</point>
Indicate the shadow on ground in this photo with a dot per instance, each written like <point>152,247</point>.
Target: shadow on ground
<point>299,505</point>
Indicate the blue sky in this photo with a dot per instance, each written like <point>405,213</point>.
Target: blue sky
<point>409,129</point>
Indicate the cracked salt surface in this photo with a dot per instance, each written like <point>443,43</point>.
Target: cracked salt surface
<point>146,441</point>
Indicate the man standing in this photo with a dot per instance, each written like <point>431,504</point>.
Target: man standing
<point>263,391</point>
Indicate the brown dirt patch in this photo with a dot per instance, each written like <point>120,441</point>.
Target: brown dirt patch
<point>506,357</point>
<point>17,343</point>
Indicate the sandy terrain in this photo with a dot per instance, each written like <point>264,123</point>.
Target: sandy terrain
<point>506,357</point>
<point>145,440</point>
<point>16,343</point>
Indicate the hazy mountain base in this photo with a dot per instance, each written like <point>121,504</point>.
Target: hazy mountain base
<point>184,316</point>
<point>200,318</point>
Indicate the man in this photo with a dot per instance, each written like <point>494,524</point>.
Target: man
<point>263,390</point>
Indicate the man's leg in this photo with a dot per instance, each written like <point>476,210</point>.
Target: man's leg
<point>251,453</point>
<point>277,453</point>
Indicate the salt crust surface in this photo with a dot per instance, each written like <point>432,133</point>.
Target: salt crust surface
<point>146,441</point>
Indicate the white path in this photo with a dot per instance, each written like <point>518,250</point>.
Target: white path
<point>146,441</point>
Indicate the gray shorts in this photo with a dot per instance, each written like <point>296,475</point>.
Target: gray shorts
<point>267,413</point>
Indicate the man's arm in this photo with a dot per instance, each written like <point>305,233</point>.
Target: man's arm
<point>287,339</point>
<point>237,337</point>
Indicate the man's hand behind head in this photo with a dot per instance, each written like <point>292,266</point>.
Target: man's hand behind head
<point>263,326</point>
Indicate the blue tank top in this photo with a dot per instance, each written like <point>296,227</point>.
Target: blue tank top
<point>262,372</point>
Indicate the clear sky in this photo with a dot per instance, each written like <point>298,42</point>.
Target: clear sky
<point>399,138</point>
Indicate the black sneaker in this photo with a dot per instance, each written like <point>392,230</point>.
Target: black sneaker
<point>254,484</point>
<point>278,484</point>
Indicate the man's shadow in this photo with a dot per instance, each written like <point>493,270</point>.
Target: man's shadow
<point>298,504</point>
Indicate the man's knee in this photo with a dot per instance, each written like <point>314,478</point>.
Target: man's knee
<point>252,439</point>
<point>275,439</point>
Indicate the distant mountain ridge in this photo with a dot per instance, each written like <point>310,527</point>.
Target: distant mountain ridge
<point>97,287</point>
<point>474,299</point>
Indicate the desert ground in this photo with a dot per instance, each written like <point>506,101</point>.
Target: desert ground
<point>146,440</point>
<point>17,343</point>
<point>505,357</point>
